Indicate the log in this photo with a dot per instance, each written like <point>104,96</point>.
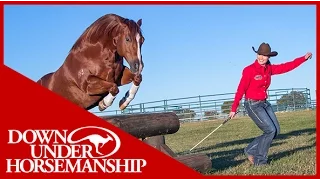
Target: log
<point>158,142</point>
<point>155,141</point>
<point>147,124</point>
<point>151,127</point>
<point>198,162</point>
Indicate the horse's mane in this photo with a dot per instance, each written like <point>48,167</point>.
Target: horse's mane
<point>104,28</point>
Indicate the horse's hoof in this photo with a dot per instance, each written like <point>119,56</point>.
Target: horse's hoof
<point>102,106</point>
<point>122,106</point>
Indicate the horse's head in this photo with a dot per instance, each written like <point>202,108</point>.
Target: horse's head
<point>128,44</point>
<point>117,34</point>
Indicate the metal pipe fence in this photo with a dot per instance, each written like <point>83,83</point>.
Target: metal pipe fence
<point>217,106</point>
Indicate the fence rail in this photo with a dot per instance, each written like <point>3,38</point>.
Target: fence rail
<point>217,106</point>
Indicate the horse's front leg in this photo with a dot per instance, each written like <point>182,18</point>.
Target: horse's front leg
<point>128,77</point>
<point>98,86</point>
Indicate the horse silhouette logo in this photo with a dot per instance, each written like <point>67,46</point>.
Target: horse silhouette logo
<point>97,139</point>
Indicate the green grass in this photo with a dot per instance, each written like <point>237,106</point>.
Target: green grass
<point>291,153</point>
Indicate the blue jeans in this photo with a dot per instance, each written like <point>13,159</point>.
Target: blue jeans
<point>263,116</point>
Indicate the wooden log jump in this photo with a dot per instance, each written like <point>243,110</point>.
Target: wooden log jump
<point>151,128</point>
<point>146,125</point>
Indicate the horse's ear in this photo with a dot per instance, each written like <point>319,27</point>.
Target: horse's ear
<point>115,41</point>
<point>139,22</point>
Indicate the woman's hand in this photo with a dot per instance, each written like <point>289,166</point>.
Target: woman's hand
<point>232,114</point>
<point>308,56</point>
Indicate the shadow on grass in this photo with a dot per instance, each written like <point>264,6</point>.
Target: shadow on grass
<point>308,131</point>
<point>280,155</point>
<point>227,159</point>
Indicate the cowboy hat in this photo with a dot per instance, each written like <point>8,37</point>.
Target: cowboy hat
<point>265,49</point>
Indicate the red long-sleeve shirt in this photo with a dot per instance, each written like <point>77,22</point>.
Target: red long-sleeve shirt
<point>256,79</point>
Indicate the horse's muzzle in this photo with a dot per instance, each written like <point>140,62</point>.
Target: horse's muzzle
<point>135,67</point>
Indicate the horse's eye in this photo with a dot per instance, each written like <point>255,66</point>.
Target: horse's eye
<point>127,39</point>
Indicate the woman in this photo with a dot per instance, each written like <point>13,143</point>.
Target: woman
<point>254,83</point>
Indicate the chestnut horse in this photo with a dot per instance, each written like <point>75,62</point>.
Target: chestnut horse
<point>93,69</point>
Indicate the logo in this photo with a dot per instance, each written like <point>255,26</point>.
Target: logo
<point>96,140</point>
<point>83,150</point>
<point>258,77</point>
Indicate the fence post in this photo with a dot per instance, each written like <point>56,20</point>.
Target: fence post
<point>165,105</point>
<point>200,108</point>
<point>308,95</point>
<point>131,109</point>
<point>190,114</point>
<point>215,106</point>
<point>277,102</point>
<point>144,110</point>
<point>293,100</point>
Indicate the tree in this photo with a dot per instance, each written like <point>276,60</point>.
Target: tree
<point>185,113</point>
<point>211,114</point>
<point>226,107</point>
<point>294,98</point>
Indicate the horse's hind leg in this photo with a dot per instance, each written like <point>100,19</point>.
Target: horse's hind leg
<point>46,81</point>
<point>127,78</point>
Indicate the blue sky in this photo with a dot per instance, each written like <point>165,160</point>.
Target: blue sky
<point>188,51</point>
